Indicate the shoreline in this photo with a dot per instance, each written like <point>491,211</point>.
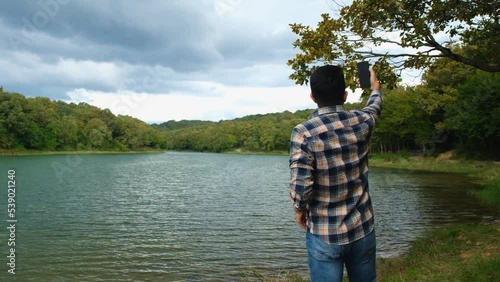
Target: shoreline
<point>259,153</point>
<point>5,153</point>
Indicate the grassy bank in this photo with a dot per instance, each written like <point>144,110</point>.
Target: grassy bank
<point>38,152</point>
<point>461,253</point>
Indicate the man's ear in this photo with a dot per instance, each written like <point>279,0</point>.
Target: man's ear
<point>345,96</point>
<point>312,97</point>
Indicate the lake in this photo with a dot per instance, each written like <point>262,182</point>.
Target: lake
<point>191,216</point>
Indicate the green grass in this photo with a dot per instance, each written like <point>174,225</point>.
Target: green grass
<point>462,253</point>
<point>491,194</point>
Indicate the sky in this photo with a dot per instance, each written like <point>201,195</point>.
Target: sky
<point>158,60</point>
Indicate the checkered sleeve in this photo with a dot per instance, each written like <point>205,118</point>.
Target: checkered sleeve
<point>301,166</point>
<point>374,105</point>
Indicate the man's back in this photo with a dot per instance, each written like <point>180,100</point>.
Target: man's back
<point>334,144</point>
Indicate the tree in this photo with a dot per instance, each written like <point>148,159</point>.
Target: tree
<point>68,133</point>
<point>398,35</point>
<point>97,133</point>
<point>15,121</point>
<point>405,122</point>
<point>43,121</point>
<point>439,89</point>
<point>7,136</point>
<point>475,116</point>
<point>444,74</point>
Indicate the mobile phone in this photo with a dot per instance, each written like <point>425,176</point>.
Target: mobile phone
<point>364,74</point>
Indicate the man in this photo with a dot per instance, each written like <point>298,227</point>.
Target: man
<point>329,180</point>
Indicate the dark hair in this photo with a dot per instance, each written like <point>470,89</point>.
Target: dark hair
<point>328,85</point>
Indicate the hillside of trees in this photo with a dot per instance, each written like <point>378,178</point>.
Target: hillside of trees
<point>41,124</point>
<point>457,107</point>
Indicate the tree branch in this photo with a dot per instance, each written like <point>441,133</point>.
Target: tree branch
<point>374,55</point>
<point>459,58</point>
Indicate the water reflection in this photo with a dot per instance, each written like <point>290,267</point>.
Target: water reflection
<point>398,218</point>
<point>407,203</point>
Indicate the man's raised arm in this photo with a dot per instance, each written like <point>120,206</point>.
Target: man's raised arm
<point>374,105</point>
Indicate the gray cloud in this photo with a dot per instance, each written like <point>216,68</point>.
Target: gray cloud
<point>136,32</point>
<point>53,46</point>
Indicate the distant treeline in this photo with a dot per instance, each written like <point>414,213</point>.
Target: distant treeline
<point>455,108</point>
<point>262,133</point>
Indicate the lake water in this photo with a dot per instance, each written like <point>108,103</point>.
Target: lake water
<point>191,216</point>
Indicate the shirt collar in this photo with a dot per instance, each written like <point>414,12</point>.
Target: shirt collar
<point>328,110</point>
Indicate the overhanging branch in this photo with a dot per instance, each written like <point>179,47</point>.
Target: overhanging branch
<point>374,55</point>
<point>448,53</point>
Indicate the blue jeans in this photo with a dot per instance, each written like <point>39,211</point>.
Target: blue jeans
<point>326,262</point>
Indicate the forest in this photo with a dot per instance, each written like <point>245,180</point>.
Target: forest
<point>456,107</point>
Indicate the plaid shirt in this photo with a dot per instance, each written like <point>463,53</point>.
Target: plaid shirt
<point>329,171</point>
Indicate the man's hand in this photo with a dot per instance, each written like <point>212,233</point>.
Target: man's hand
<point>375,84</point>
<point>300,217</point>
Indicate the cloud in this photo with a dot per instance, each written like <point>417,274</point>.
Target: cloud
<point>176,33</point>
<point>27,68</point>
<point>226,103</point>
<point>223,102</point>
<point>205,52</point>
